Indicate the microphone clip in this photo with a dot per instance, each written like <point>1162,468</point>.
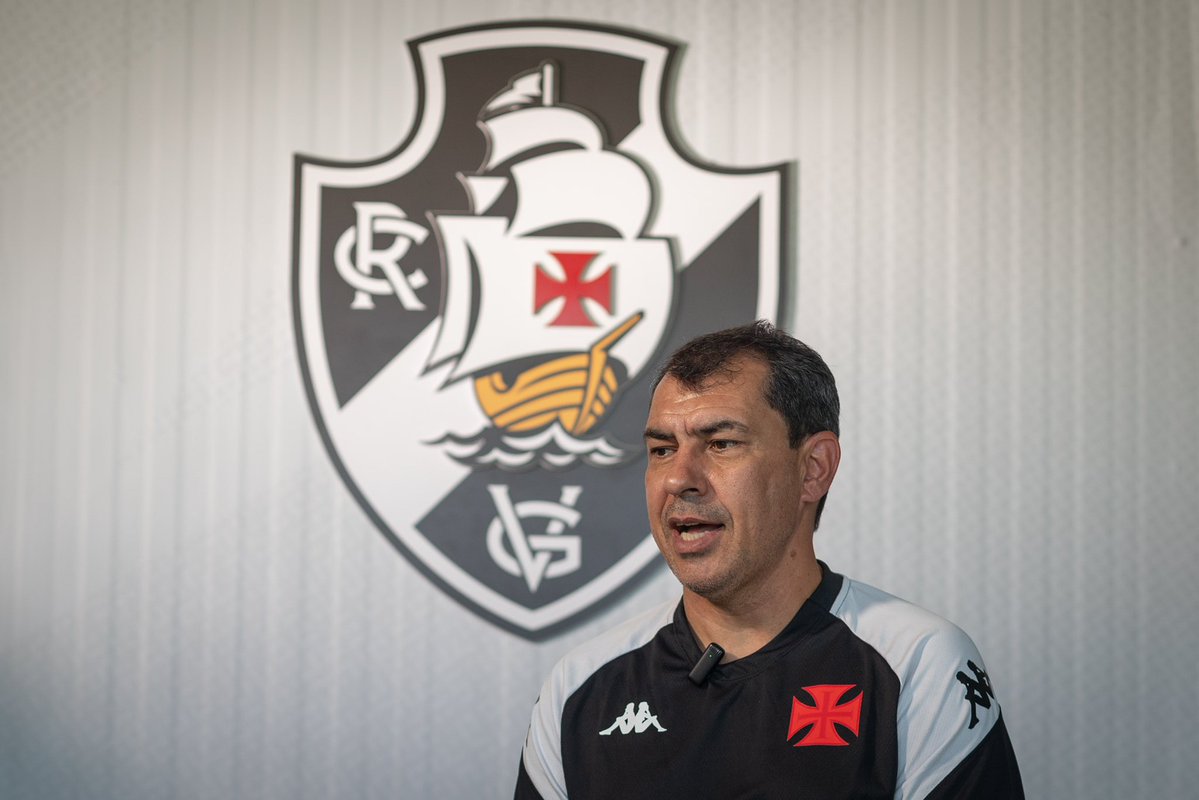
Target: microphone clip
<point>707,662</point>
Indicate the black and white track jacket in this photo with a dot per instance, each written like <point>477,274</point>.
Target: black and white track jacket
<point>862,695</point>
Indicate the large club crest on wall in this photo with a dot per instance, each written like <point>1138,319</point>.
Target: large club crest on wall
<point>478,314</point>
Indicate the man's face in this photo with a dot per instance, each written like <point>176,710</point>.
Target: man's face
<point>723,486</point>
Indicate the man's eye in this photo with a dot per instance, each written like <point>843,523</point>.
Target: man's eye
<point>660,451</point>
<point>721,444</point>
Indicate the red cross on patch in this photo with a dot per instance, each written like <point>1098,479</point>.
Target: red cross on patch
<point>823,715</point>
<point>574,289</point>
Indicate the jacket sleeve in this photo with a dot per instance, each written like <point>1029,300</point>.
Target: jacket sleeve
<point>525,790</point>
<point>541,776</point>
<point>952,739</point>
<point>989,772</point>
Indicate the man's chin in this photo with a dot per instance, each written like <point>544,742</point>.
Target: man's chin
<point>713,588</point>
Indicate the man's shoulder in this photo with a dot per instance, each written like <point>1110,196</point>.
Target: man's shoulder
<point>949,705</point>
<point>909,637</point>
<point>580,663</point>
<point>542,770</point>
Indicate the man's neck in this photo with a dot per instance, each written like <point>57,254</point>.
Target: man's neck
<point>747,623</point>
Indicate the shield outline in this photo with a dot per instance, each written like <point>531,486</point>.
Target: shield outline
<point>660,59</point>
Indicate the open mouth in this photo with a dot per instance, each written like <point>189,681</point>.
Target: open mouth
<point>694,531</point>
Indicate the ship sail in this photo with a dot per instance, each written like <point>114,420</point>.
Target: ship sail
<point>577,186</point>
<point>517,289</point>
<point>507,327</point>
<point>510,135</point>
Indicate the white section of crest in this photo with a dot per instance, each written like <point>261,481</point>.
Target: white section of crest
<point>381,432</point>
<point>513,133</point>
<point>695,205</point>
<point>508,328</point>
<point>560,438</point>
<point>516,452</point>
<point>483,190</point>
<point>501,459</point>
<point>581,186</point>
<point>380,439</point>
<point>520,451</point>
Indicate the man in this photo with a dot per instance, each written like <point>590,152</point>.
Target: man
<point>826,687</point>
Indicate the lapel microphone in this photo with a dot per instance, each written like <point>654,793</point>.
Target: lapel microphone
<point>707,662</point>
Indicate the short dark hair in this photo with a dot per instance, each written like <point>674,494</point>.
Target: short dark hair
<point>800,386</point>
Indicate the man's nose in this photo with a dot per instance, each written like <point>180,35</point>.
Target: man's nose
<point>685,475</point>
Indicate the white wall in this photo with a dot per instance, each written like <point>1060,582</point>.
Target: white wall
<point>998,243</point>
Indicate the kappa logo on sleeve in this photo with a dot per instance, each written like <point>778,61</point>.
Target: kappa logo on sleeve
<point>823,718</point>
<point>978,690</point>
<point>478,313</point>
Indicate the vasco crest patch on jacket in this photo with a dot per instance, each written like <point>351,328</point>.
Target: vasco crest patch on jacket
<point>479,313</point>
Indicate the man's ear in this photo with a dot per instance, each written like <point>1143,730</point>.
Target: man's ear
<point>821,453</point>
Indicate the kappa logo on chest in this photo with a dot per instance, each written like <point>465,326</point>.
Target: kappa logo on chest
<point>638,721</point>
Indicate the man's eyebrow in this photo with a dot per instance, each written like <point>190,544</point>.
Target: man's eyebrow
<point>723,425</point>
<point>707,430</point>
<point>653,433</point>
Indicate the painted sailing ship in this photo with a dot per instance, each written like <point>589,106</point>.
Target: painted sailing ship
<point>553,300</point>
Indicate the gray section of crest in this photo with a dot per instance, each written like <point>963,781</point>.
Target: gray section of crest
<point>613,523</point>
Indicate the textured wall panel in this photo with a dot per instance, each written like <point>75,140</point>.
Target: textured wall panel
<point>997,254</point>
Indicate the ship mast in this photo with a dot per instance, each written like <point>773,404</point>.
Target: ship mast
<point>549,86</point>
